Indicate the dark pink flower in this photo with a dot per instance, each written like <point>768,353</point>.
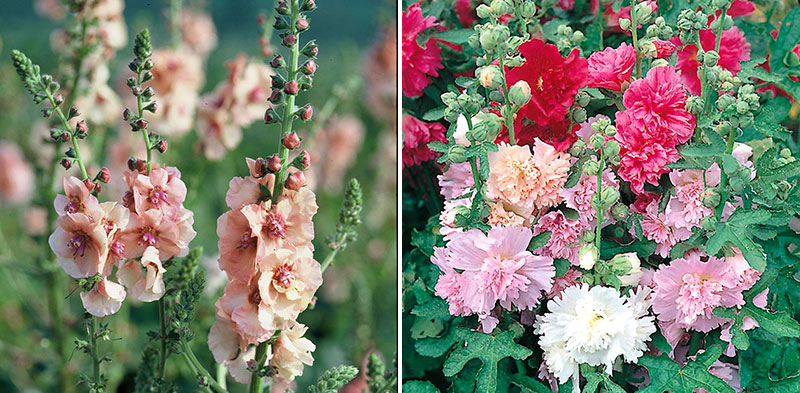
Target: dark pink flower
<point>733,50</point>
<point>612,67</point>
<point>418,62</point>
<point>416,136</point>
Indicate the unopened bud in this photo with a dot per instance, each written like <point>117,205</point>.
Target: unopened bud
<point>152,107</point>
<point>59,99</point>
<point>306,113</point>
<point>310,67</point>
<point>308,5</point>
<point>590,168</point>
<point>140,165</point>
<point>624,23</point>
<point>104,175</point>
<point>291,141</point>
<point>457,154</point>
<point>162,146</point>
<point>520,93</point>
<point>295,181</point>
<point>73,112</point>
<point>301,24</point>
<point>126,114</point>
<point>66,163</point>
<point>289,40</point>
<point>291,87</point>
<point>270,116</point>
<point>260,168</point>
<point>141,124</point>
<point>90,185</point>
<point>278,62</point>
<point>588,255</point>
<point>81,128</point>
<point>619,212</point>
<point>609,196</point>
<point>274,164</point>
<point>275,97</point>
<point>65,137</point>
<point>131,163</point>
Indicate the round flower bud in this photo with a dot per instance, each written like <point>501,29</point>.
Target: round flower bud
<point>588,255</point>
<point>295,181</point>
<point>527,9</point>
<point>291,141</point>
<point>457,154</point>
<point>724,101</point>
<point>742,107</point>
<point>291,87</point>
<point>619,212</point>
<point>583,99</point>
<point>162,146</point>
<point>274,164</point>
<point>520,93</point>
<point>501,7</point>
<point>577,37</point>
<point>694,105</point>
<point>588,236</point>
<point>590,168</point>
<point>483,11</point>
<point>597,141</point>
<point>612,148</point>
<point>488,75</point>
<point>711,58</point>
<point>579,114</point>
<point>626,263</point>
<point>104,175</point>
<point>659,63</point>
<point>478,133</point>
<point>66,163</point>
<point>609,196</point>
<point>577,147</point>
<point>624,23</point>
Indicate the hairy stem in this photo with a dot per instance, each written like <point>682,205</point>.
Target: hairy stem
<point>289,109</point>
<point>634,35</point>
<point>140,113</point>
<point>67,127</point>
<point>162,320</point>
<point>257,382</point>
<point>598,201</point>
<point>198,369</point>
<point>93,349</point>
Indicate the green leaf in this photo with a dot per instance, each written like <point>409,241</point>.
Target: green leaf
<point>419,387</point>
<point>490,349</point>
<point>434,114</point>
<point>540,240</point>
<point>426,327</point>
<point>435,308</point>
<point>788,385</point>
<point>457,37</point>
<point>779,323</point>
<point>788,37</point>
<point>736,232</point>
<point>436,346</point>
<point>529,385</point>
<point>668,376</point>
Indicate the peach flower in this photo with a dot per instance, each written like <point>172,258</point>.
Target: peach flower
<point>198,32</point>
<point>334,150</point>
<point>153,228</point>
<point>289,280</point>
<point>158,190</point>
<point>287,222</point>
<point>104,299</point>
<point>145,284</point>
<point>16,175</point>
<point>78,198</point>
<point>81,245</point>
<point>291,353</point>
<point>244,303</point>
<point>237,245</point>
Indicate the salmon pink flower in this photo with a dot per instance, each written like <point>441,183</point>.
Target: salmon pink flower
<point>237,245</point>
<point>78,198</point>
<point>104,299</point>
<point>566,234</point>
<point>145,285</point>
<point>16,175</point>
<point>81,245</point>
<point>153,228</point>
<point>287,222</point>
<point>289,280</point>
<point>251,316</point>
<point>159,190</point>
<point>291,352</point>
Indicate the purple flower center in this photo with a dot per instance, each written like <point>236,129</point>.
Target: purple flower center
<point>274,225</point>
<point>247,240</point>
<point>158,196</point>
<point>149,239</point>
<point>283,276</point>
<point>78,244</point>
<point>118,250</point>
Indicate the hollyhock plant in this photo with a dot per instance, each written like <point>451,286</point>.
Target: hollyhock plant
<point>419,62</point>
<point>733,50</point>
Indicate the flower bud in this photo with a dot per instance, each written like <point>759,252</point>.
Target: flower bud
<point>162,146</point>
<point>89,184</point>
<point>590,168</point>
<point>310,50</point>
<point>131,163</point>
<point>308,5</point>
<point>302,161</point>
<point>295,181</point>
<point>624,23</point>
<point>126,114</point>
<point>291,141</point>
<point>270,116</point>
<point>626,263</point>
<point>619,212</point>
<point>483,11</point>
<point>278,62</point>
<point>274,164</point>
<point>612,148</point>
<point>104,175</point>
<point>527,9</point>
<point>291,87</point>
<point>711,198</point>
<point>73,112</point>
<point>520,93</point>
<point>141,124</point>
<point>709,222</point>
<point>140,165</point>
<point>588,255</point>
<point>597,141</point>
<point>724,101</point>
<point>579,114</point>
<point>501,7</point>
<point>310,67</point>
<point>289,40</point>
<point>301,24</point>
<point>588,236</point>
<point>305,113</point>
<point>276,96</point>
<point>66,163</point>
<point>711,58</point>
<point>694,105</point>
<point>65,137</point>
<point>152,107</point>
<point>488,75</point>
<point>457,154</point>
<point>609,196</point>
<point>81,129</point>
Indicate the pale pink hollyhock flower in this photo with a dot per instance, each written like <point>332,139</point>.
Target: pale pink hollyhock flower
<point>153,228</point>
<point>728,373</point>
<point>566,236</point>
<point>143,278</point>
<point>198,32</point>
<point>447,218</point>
<point>248,190</point>
<point>335,149</point>
<point>104,299</point>
<point>585,132</point>
<point>288,221</point>
<point>237,245</point>
<point>450,283</point>
<point>580,196</point>
<point>99,103</point>
<point>250,86</point>
<point>502,217</point>
<point>162,189</point>
<point>177,78</point>
<point>78,199</point>
<point>742,153</point>
<point>244,304</point>
<point>688,290</point>
<point>228,348</point>
<point>456,181</point>
<point>685,209</point>
<point>16,175</point>
<point>496,268</point>
<point>81,245</point>
<point>115,219</point>
<point>289,279</point>
<point>291,352</point>
<point>218,133</point>
<point>569,279</point>
<point>611,68</point>
<point>656,226</point>
<point>524,180</point>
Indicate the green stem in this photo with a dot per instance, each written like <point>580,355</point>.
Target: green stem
<point>222,373</point>
<point>162,361</point>
<point>93,349</point>
<point>387,385</point>
<point>198,369</point>
<point>634,35</point>
<point>599,203</point>
<point>289,109</point>
<point>723,181</point>
<point>508,118</point>
<point>140,107</point>
<point>330,257</point>
<point>257,382</point>
<point>67,127</point>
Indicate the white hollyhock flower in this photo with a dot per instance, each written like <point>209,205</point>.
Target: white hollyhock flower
<point>595,326</point>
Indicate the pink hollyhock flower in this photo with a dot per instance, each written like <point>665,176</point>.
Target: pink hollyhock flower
<point>733,50</point>
<point>501,217</point>
<point>291,352</point>
<point>115,219</point>
<point>159,190</point>
<point>456,181</point>
<point>527,181</point>
<point>565,239</point>
<point>153,228</point>
<point>688,290</point>
<point>416,136</point>
<point>228,348</point>
<point>81,245</point>
<point>237,245</point>
<point>656,226</point>
<point>249,190</point>
<point>198,31</point>
<point>78,198</point>
<point>642,159</point>
<point>496,268</point>
<point>569,279</point>
<point>664,49</point>
<point>658,104</point>
<point>335,150</point>
<point>418,62</point>
<point>554,80</point>
<point>251,316</point>
<point>447,218</point>
<point>612,68</point>
<point>145,285</point>
<point>451,284</point>
<point>104,299</point>
<point>685,209</point>
<point>177,79</point>
<point>580,196</point>
<point>287,222</point>
<point>288,281</point>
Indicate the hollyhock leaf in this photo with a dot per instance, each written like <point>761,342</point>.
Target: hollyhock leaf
<point>528,384</point>
<point>562,266</point>
<point>426,327</point>
<point>742,217</point>
<point>788,37</point>
<point>642,248</point>
<point>458,37</point>
<point>668,376</point>
<point>436,346</point>
<point>435,308</point>
<point>779,323</point>
<point>419,387</point>
<point>434,114</point>
<point>575,173</point>
<point>490,349</point>
<point>540,240</point>
<point>594,379</point>
<point>767,123</point>
<point>788,385</point>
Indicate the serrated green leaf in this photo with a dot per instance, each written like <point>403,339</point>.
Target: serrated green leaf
<point>436,346</point>
<point>490,349</point>
<point>529,385</point>
<point>426,327</point>
<point>668,376</point>
<point>458,37</point>
<point>434,308</point>
<point>419,387</point>
<point>539,240</point>
<point>434,114</point>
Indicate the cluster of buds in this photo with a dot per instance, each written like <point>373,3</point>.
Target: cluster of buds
<point>642,13</point>
<point>141,66</point>
<point>349,217</point>
<point>689,22</point>
<point>739,110</point>
<point>660,29</point>
<point>566,39</point>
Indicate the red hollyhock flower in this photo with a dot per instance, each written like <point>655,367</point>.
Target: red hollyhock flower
<point>465,9</point>
<point>418,62</point>
<point>416,136</point>
<point>554,81</point>
<point>733,50</point>
<point>556,133</point>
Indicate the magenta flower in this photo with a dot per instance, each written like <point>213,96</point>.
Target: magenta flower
<point>418,62</point>
<point>611,68</point>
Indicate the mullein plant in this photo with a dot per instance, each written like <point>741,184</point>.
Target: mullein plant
<point>619,196</point>
<point>138,246</point>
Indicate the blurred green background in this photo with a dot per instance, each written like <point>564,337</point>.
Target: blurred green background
<point>357,307</point>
